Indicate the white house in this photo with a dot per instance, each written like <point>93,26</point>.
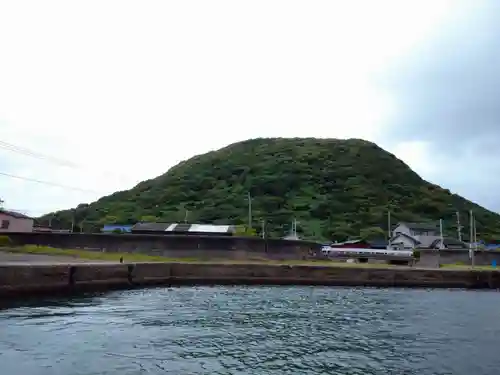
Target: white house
<point>407,236</point>
<point>411,235</point>
<point>11,221</point>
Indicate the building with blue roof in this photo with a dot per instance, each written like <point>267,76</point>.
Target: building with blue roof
<point>113,228</point>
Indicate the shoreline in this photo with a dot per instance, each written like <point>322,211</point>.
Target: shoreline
<point>26,280</point>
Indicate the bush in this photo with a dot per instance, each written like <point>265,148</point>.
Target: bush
<point>242,230</point>
<point>5,241</point>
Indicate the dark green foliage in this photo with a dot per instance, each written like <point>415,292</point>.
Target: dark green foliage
<point>336,189</point>
<point>5,241</point>
<point>244,231</point>
<point>372,233</point>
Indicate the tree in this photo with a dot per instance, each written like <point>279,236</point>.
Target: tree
<point>149,219</point>
<point>335,188</point>
<point>244,231</point>
<point>109,219</point>
<point>372,233</point>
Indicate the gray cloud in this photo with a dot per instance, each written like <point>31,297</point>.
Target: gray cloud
<point>447,93</point>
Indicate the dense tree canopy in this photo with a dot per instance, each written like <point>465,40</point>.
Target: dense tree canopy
<point>335,189</point>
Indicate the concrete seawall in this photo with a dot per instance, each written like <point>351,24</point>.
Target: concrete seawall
<point>17,280</point>
<point>173,246</point>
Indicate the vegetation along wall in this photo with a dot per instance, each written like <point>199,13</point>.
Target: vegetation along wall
<point>173,245</point>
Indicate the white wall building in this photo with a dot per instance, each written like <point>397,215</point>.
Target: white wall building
<point>11,221</point>
<point>408,236</point>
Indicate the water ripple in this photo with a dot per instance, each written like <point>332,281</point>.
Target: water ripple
<point>252,330</point>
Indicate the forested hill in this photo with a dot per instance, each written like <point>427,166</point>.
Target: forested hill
<point>334,189</point>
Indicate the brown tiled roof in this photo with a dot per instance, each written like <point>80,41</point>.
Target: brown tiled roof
<point>14,214</point>
<point>448,241</point>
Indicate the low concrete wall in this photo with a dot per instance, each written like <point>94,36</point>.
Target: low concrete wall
<point>25,279</point>
<point>19,279</point>
<point>174,246</point>
<point>434,258</point>
<point>99,273</point>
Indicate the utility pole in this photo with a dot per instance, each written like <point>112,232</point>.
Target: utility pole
<point>459,227</point>
<point>294,228</point>
<point>389,234</point>
<point>73,219</point>
<point>441,246</point>
<point>186,216</point>
<point>475,234</point>
<point>471,251</point>
<point>263,229</point>
<point>249,211</point>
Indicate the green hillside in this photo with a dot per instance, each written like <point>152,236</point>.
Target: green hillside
<point>334,189</point>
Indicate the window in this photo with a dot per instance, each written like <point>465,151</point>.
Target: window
<point>5,224</point>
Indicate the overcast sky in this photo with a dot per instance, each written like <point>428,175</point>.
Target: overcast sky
<point>123,90</point>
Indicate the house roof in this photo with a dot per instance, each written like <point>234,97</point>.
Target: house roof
<point>183,228</point>
<point>354,241</point>
<point>14,214</point>
<point>378,244</point>
<point>382,243</point>
<point>151,227</point>
<point>492,246</point>
<point>112,227</point>
<point>406,236</point>
<point>428,241</point>
<point>421,226</point>
<point>448,241</point>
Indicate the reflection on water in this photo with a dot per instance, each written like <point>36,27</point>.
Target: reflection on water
<point>252,330</point>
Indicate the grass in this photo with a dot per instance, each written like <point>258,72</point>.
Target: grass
<point>86,254</point>
<point>137,257</point>
<point>460,266</point>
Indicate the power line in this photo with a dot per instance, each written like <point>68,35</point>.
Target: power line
<point>61,162</point>
<point>50,183</point>
<point>24,151</point>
